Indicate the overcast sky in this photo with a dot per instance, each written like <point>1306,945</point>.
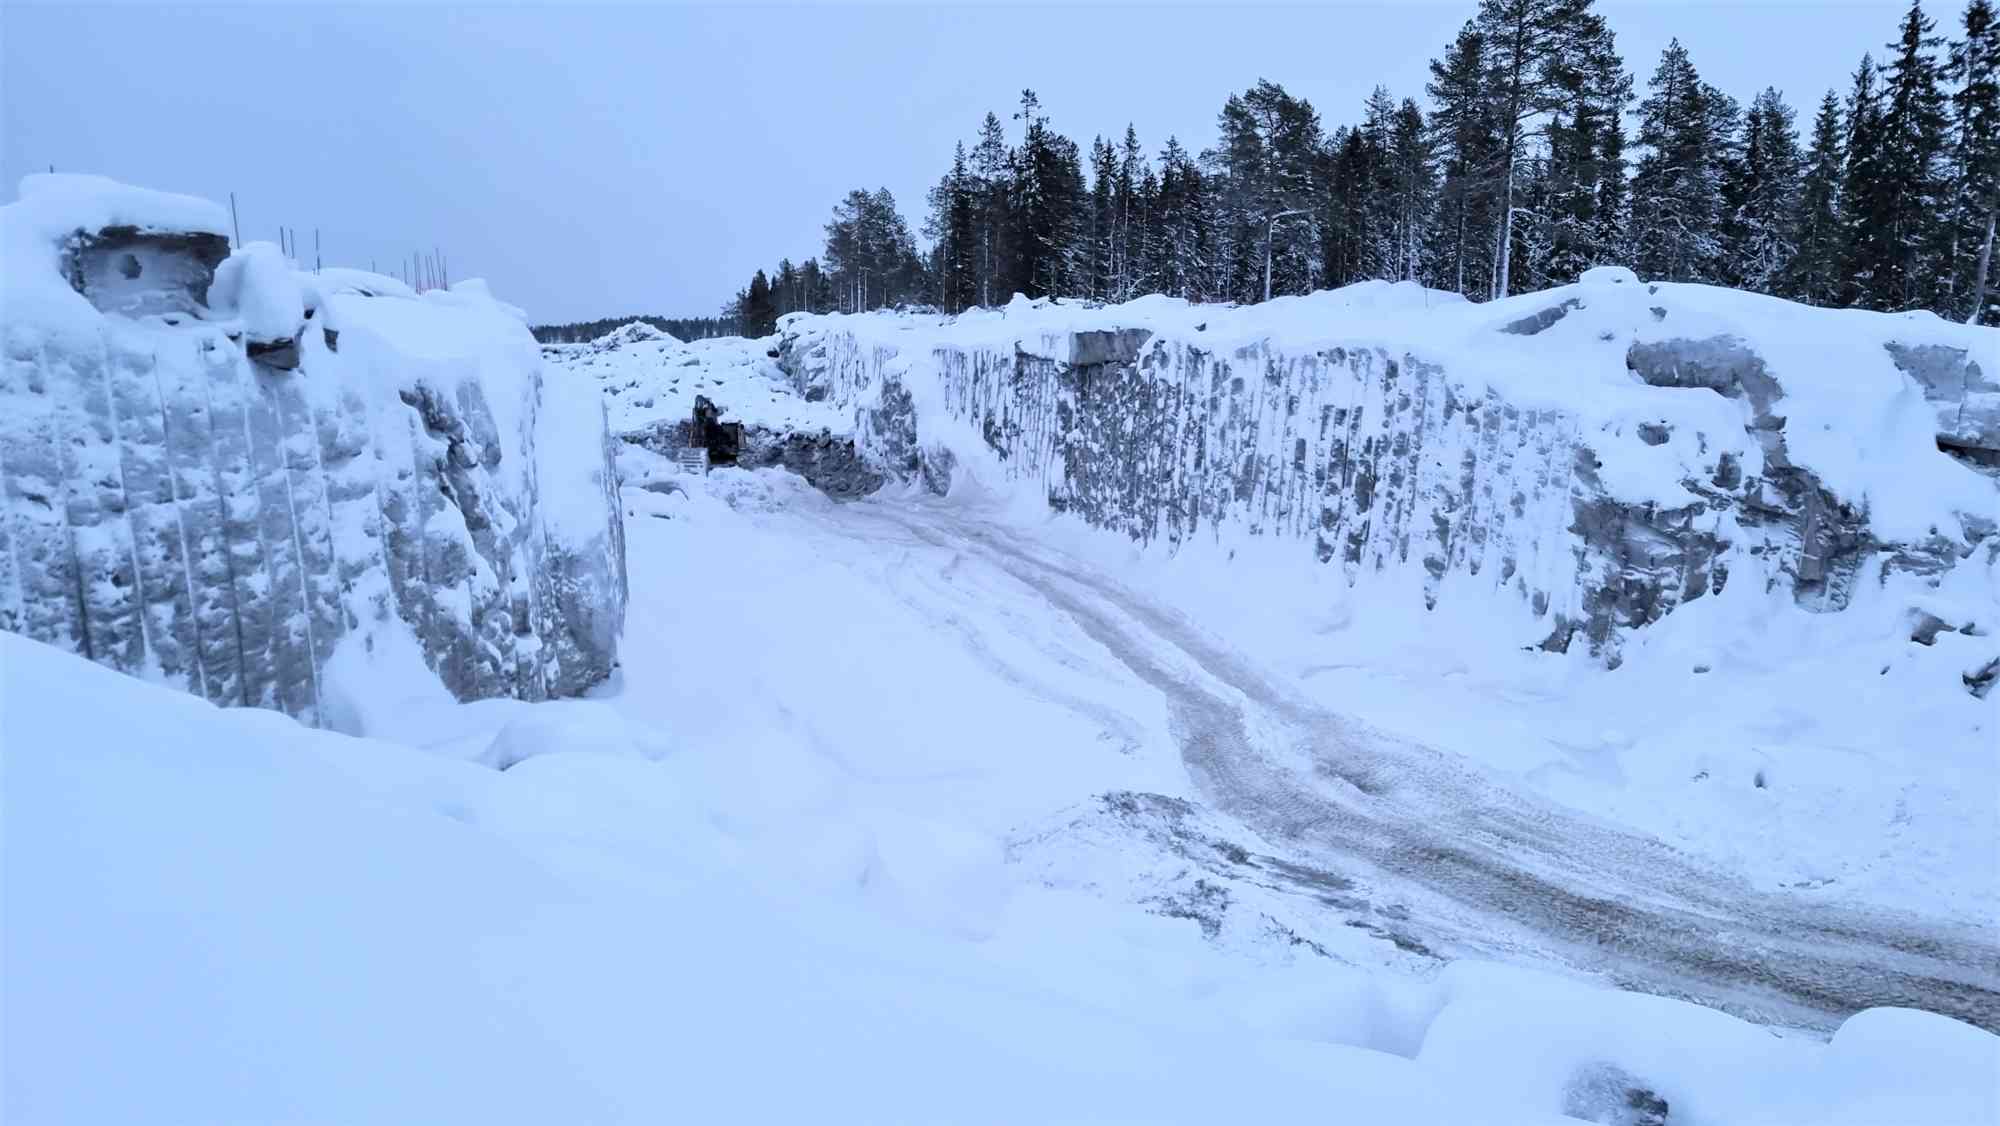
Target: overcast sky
<point>592,161</point>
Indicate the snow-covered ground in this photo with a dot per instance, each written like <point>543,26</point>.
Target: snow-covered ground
<point>878,822</point>
<point>650,378</point>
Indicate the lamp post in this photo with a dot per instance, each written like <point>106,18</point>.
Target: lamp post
<point>1270,229</point>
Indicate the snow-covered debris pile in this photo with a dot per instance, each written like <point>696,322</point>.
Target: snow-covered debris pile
<point>654,386</point>
<point>1599,453</point>
<point>218,471</point>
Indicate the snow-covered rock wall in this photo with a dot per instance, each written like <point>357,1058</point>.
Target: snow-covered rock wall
<point>242,480</point>
<point>1600,453</point>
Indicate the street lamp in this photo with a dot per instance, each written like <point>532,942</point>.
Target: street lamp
<point>1269,229</point>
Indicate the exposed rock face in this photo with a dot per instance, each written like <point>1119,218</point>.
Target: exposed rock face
<point>1967,398</point>
<point>176,509</point>
<point>1599,518</point>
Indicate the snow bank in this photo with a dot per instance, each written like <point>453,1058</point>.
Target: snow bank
<point>215,471</point>
<point>247,921</point>
<point>1594,455</point>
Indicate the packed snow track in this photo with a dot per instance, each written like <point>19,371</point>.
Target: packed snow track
<point>1482,869</point>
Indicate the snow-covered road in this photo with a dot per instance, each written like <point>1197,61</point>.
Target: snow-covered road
<point>1480,868</point>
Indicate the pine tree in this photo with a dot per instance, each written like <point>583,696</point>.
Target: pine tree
<point>1813,273</point>
<point>992,180</point>
<point>1975,69</point>
<point>1677,205</point>
<point>1264,173</point>
<point>871,255</point>
<point>1466,136</point>
<point>1532,49</point>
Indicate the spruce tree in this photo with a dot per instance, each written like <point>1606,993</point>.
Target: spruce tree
<point>1864,194</point>
<point>1103,235</point>
<point>1914,196</point>
<point>1975,71</point>
<point>759,315</point>
<point>1129,207</point>
<point>1813,273</point>
<point>1760,192</point>
<point>1677,205</point>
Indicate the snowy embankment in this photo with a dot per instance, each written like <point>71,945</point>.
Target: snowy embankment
<point>1579,462</point>
<point>745,866</point>
<point>287,489</point>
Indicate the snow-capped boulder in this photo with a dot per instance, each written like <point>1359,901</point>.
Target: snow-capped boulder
<point>1598,454</point>
<point>209,484</point>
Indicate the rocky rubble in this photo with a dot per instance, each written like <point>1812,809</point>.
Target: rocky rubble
<point>219,472</point>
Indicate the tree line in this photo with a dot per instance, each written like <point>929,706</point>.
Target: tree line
<point>1533,158</point>
<point>681,328</point>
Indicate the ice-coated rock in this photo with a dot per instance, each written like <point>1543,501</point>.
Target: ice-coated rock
<point>1602,453</point>
<point>217,472</point>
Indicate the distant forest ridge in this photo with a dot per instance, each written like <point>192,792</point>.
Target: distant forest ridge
<point>680,328</point>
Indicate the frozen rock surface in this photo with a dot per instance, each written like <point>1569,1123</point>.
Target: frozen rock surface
<point>1600,453</point>
<point>218,472</point>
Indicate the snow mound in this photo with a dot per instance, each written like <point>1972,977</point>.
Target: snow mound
<point>599,936</point>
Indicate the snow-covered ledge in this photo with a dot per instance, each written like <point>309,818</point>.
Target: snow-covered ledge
<point>287,489</point>
<point>1583,460</point>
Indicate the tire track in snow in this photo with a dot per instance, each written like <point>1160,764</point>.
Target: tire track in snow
<point>1487,870</point>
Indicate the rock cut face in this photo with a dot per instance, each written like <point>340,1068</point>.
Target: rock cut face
<point>1598,455</point>
<point>135,273</point>
<point>174,508</point>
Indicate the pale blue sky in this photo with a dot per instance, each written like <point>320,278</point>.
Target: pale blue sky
<point>600,160</point>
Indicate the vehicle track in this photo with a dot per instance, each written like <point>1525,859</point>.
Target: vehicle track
<point>1486,869</point>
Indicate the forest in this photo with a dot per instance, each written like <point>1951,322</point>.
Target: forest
<point>1533,157</point>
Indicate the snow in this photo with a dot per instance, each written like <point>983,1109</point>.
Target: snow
<point>1880,781</point>
<point>259,287</point>
<point>1851,415</point>
<point>1826,754</point>
<point>649,378</point>
<point>772,872</point>
<point>180,511</point>
<point>58,203</point>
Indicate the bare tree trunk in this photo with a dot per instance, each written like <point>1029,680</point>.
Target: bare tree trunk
<point>1985,264</point>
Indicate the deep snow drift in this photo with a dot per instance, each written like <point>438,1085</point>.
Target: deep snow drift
<point>241,479</point>
<point>747,888</point>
